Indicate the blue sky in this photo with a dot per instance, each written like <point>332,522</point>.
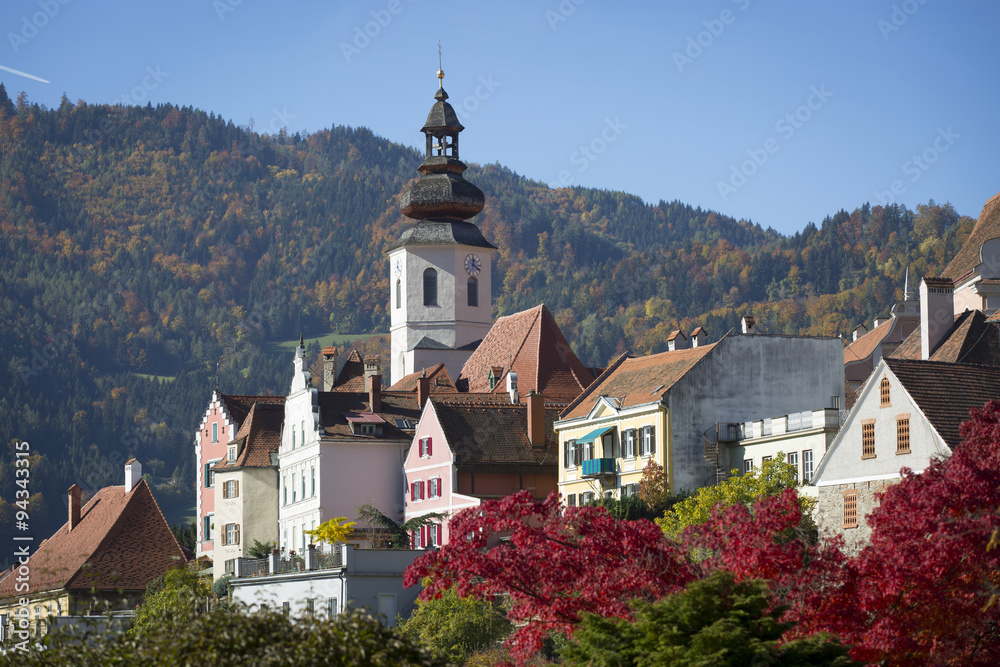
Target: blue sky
<point>777,112</point>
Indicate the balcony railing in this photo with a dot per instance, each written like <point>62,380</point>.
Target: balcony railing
<point>598,467</point>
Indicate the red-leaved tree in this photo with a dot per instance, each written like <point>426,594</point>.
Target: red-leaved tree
<point>923,591</point>
<point>555,565</point>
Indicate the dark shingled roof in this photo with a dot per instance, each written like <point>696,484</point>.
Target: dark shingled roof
<point>638,380</point>
<point>530,344</point>
<point>972,340</point>
<point>121,543</point>
<point>946,392</point>
<point>395,405</point>
<point>239,405</point>
<point>440,381</point>
<point>987,227</point>
<point>436,232</point>
<point>496,435</point>
<point>258,438</point>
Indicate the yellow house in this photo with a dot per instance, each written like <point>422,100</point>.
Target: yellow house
<point>679,407</point>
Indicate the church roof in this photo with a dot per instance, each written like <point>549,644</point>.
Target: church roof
<point>121,543</point>
<point>530,344</point>
<point>435,232</point>
<point>987,227</point>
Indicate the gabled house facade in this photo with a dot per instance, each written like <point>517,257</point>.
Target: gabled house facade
<point>472,447</point>
<point>908,413</point>
<point>219,423</point>
<point>340,449</point>
<point>246,487</point>
<point>100,560</point>
<point>975,270</point>
<point>681,407</point>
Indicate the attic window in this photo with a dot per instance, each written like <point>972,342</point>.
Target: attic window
<point>231,456</point>
<point>883,387</point>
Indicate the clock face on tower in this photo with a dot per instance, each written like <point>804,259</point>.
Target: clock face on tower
<point>473,265</point>
<point>399,268</point>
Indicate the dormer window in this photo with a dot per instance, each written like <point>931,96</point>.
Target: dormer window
<point>231,455</point>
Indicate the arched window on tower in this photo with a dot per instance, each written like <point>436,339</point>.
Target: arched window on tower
<point>399,293</point>
<point>473,292</point>
<point>430,287</point>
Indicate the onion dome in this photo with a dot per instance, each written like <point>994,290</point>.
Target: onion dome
<point>442,193</point>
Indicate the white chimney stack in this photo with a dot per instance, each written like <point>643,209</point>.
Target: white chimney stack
<point>859,331</point>
<point>512,386</point>
<point>748,322</point>
<point>133,473</point>
<point>937,313</point>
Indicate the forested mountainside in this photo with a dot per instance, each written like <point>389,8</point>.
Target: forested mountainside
<point>143,248</point>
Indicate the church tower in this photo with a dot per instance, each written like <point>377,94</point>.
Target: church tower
<point>440,269</point>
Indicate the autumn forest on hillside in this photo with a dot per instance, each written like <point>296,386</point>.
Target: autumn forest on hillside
<point>151,252</point>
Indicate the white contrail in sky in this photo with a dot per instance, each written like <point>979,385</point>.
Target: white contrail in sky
<point>20,73</point>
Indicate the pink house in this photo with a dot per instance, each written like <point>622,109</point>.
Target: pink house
<point>471,447</point>
<point>220,423</point>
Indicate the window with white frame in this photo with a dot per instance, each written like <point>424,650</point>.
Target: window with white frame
<point>313,473</point>
<point>571,454</point>
<point>747,466</point>
<point>232,535</point>
<point>608,445</point>
<point>215,432</point>
<point>208,527</point>
<point>232,453</point>
<point>417,490</point>
<point>629,449</point>
<point>294,498</point>
<point>284,489</point>
<point>807,465</point>
<point>648,440</point>
<point>231,489</point>
<point>209,474</point>
<point>586,497</point>
<point>424,447</point>
<point>793,460</point>
<point>434,488</point>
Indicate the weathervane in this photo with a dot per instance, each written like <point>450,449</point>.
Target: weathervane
<point>440,71</point>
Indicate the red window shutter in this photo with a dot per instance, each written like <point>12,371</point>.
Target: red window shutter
<point>413,490</point>
<point>438,527</point>
<point>422,496</point>
<point>428,446</point>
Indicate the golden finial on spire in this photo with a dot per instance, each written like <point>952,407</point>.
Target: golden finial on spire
<point>440,71</point>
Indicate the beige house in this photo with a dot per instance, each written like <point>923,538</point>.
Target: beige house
<point>246,487</point>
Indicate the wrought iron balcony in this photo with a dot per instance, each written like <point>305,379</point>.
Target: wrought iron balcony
<point>598,467</point>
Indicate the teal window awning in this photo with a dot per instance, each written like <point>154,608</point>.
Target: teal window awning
<point>595,434</point>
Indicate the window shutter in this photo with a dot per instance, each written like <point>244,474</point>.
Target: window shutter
<point>205,476</point>
<point>438,527</point>
<point>237,537</point>
<point>652,439</point>
<point>413,490</point>
<point>428,445</point>
<point>422,486</point>
<point>567,453</point>
<point>236,491</point>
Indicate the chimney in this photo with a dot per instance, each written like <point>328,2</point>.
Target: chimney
<point>512,386</point>
<point>329,367</point>
<point>375,393</point>
<point>74,506</point>
<point>937,313</point>
<point>133,473</point>
<point>699,337</point>
<point>423,388</point>
<point>676,340</point>
<point>372,366</point>
<point>748,323</point>
<point>858,332</point>
<point>536,419</point>
<point>879,320</point>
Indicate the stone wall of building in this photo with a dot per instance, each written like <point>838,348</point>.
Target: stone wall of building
<point>829,512</point>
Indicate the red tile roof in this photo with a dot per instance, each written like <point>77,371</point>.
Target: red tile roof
<point>121,543</point>
<point>638,380</point>
<point>864,346</point>
<point>987,227</point>
<point>496,435</point>
<point>258,438</point>
<point>352,374</point>
<point>437,374</point>
<point>530,344</point>
<point>239,405</point>
<point>946,392</point>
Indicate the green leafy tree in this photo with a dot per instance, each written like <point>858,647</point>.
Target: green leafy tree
<point>166,610</point>
<point>771,478</point>
<point>385,533</point>
<point>235,638</point>
<point>716,621</point>
<point>454,627</point>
